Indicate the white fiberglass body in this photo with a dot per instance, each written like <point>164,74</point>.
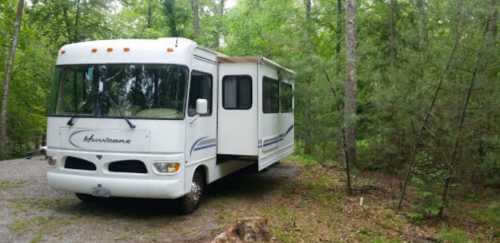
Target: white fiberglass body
<point>137,118</point>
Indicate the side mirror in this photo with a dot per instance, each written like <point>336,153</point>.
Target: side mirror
<point>201,106</point>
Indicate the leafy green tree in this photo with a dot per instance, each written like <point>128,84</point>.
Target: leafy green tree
<point>8,77</point>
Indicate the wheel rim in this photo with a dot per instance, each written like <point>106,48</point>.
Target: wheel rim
<point>196,191</point>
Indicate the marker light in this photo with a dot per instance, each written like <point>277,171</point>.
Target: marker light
<point>167,167</point>
<point>126,49</point>
<point>62,52</point>
<point>109,49</point>
<point>170,49</point>
<point>94,50</point>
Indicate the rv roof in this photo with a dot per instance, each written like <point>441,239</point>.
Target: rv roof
<point>146,50</point>
<point>252,59</point>
<point>162,50</point>
<point>237,59</point>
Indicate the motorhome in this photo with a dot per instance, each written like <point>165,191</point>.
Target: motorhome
<point>163,118</point>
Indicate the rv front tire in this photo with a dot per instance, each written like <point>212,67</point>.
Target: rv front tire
<point>190,202</point>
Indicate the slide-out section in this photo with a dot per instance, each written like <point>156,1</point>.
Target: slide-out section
<point>276,123</point>
<point>255,118</point>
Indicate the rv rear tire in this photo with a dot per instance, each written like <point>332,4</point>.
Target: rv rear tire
<point>190,202</point>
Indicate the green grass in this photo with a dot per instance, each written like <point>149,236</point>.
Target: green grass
<point>373,236</point>
<point>284,235</point>
<point>38,238</point>
<point>489,215</point>
<point>453,236</point>
<point>383,239</point>
<point>19,226</point>
<point>28,204</point>
<point>288,231</point>
<point>392,220</point>
<point>9,184</point>
<point>39,224</point>
<point>302,159</point>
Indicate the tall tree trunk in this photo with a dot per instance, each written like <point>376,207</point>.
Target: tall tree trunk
<point>341,148</point>
<point>414,150</point>
<point>422,42</point>
<point>341,145</point>
<point>423,37</point>
<point>392,35</point>
<point>308,143</point>
<point>67,22</point>
<point>489,28</point>
<point>338,32</point>
<point>171,17</point>
<point>195,6</point>
<point>422,23</point>
<point>77,22</point>
<point>494,19</point>
<point>219,10</point>
<point>454,155</point>
<point>350,105</point>
<point>9,63</point>
<point>491,45</point>
<point>149,19</point>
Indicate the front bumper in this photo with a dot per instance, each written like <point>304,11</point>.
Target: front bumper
<point>119,187</point>
<point>135,185</point>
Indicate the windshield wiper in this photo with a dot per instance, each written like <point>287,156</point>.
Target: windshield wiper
<point>130,124</point>
<point>71,121</point>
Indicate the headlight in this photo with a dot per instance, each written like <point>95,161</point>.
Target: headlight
<point>52,160</point>
<point>167,167</point>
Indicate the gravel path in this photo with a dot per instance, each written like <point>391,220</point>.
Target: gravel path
<point>30,211</point>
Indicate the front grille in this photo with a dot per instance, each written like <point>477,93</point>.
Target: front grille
<point>78,164</point>
<point>128,166</point>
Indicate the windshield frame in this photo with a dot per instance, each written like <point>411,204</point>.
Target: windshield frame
<point>54,94</point>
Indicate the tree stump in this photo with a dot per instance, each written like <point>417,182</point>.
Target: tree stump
<point>251,229</point>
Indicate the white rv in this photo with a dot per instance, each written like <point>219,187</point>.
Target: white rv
<point>163,118</point>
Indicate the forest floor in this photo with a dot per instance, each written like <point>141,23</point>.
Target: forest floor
<point>303,202</point>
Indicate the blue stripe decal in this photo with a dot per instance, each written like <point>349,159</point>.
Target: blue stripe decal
<point>204,147</point>
<point>277,138</point>
<point>277,141</point>
<point>206,141</point>
<point>194,144</point>
<point>273,139</point>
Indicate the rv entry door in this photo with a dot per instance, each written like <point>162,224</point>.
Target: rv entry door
<point>201,131</point>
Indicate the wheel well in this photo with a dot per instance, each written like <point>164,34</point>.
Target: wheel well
<point>203,169</point>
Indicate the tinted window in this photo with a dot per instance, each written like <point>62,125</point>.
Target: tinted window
<point>286,97</point>
<point>201,88</point>
<point>237,92</point>
<point>270,95</point>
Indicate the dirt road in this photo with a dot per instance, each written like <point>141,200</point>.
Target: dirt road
<point>30,211</point>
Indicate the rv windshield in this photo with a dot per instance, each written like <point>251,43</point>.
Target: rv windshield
<point>120,90</point>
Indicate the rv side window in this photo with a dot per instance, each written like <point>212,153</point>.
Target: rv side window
<point>201,88</point>
<point>286,97</point>
<point>237,92</point>
<point>270,95</point>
